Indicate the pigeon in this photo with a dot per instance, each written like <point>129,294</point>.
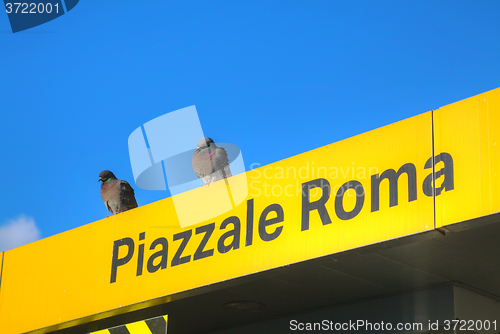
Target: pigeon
<point>210,162</point>
<point>118,195</point>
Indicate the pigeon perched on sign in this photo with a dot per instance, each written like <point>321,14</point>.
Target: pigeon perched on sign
<point>210,162</point>
<point>118,195</point>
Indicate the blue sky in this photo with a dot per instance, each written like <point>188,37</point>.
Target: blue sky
<point>276,78</point>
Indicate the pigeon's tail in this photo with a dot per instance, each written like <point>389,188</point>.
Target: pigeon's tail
<point>226,172</point>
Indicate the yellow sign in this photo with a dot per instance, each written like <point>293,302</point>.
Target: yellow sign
<point>470,131</point>
<point>1,266</point>
<point>370,188</point>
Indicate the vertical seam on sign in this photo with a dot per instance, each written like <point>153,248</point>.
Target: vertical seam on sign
<point>1,270</point>
<point>230,194</point>
<point>433,170</point>
<point>488,144</point>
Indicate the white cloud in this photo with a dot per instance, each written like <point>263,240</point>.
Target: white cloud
<point>17,232</point>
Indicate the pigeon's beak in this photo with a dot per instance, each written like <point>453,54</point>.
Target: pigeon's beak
<point>99,180</point>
